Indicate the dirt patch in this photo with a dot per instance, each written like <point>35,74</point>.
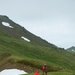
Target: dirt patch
<point>21,66</point>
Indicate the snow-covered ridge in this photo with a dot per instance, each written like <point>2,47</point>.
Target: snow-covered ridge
<point>7,24</point>
<point>25,38</point>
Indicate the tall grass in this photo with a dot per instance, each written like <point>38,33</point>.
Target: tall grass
<point>34,55</point>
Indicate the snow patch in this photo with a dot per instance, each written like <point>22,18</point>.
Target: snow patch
<point>73,50</point>
<point>12,72</point>
<point>25,38</point>
<point>7,24</point>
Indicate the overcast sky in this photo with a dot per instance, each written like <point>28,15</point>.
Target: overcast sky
<point>52,20</point>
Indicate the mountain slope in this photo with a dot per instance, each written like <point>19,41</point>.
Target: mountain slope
<point>71,49</point>
<point>21,49</point>
<point>17,31</point>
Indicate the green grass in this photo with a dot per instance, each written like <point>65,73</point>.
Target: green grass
<point>61,73</point>
<point>21,51</point>
<point>54,73</point>
<point>35,55</point>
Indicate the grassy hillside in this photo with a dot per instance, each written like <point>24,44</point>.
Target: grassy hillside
<point>16,51</point>
<point>17,32</point>
<point>20,51</point>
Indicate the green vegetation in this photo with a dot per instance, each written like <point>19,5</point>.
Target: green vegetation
<point>21,51</point>
<point>54,73</point>
<point>15,50</point>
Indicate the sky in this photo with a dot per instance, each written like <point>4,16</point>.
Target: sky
<point>52,20</point>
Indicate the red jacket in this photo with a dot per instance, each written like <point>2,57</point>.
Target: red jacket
<point>36,73</point>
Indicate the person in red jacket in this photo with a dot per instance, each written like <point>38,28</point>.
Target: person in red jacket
<point>44,69</point>
<point>36,73</point>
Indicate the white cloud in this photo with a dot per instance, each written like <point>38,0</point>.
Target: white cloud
<point>60,33</point>
<point>52,20</point>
